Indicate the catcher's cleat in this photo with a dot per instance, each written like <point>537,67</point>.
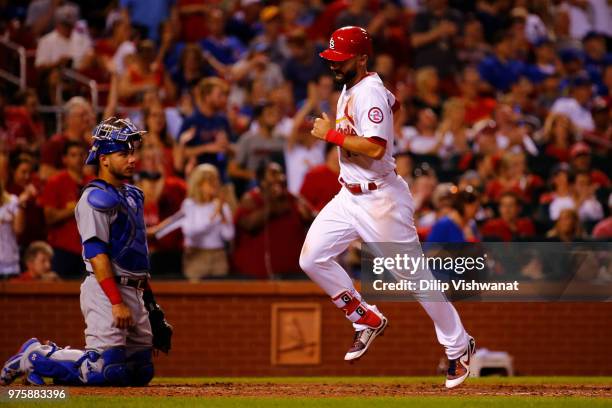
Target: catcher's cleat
<point>363,339</point>
<point>459,368</point>
<point>13,367</point>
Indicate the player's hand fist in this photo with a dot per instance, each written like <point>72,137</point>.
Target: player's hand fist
<point>321,127</point>
<point>122,316</point>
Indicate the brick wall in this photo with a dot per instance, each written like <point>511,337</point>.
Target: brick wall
<point>223,329</point>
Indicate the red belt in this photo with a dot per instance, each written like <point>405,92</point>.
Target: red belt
<point>356,188</point>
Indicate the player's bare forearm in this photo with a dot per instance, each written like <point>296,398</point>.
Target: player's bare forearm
<point>363,145</point>
<point>122,316</point>
<point>258,217</point>
<point>56,215</point>
<point>355,144</point>
<point>101,265</point>
<point>198,150</point>
<point>421,39</point>
<point>254,221</point>
<point>234,170</point>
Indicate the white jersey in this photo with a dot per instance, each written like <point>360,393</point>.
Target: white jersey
<point>366,110</point>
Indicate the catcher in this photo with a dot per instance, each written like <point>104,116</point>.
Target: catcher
<point>124,323</point>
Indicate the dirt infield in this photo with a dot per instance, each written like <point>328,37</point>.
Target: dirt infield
<point>229,389</point>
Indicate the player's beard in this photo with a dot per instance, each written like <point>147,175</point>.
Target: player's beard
<point>121,175</point>
<point>344,77</point>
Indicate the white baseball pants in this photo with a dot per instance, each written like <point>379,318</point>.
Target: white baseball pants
<point>382,215</point>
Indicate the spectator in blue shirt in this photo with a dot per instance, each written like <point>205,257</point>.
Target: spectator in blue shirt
<point>206,134</point>
<point>546,62</point>
<point>500,70</point>
<point>304,65</point>
<point>596,58</point>
<point>148,14</point>
<point>458,225</point>
<point>171,48</point>
<point>227,50</point>
<point>244,23</point>
<point>191,68</point>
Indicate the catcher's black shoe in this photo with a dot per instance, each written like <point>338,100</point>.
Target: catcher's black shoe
<point>459,368</point>
<point>363,339</point>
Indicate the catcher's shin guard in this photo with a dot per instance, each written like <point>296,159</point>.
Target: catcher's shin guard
<point>140,366</point>
<point>108,368</point>
<point>356,310</point>
<point>49,360</point>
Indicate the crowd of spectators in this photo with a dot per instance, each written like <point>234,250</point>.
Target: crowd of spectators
<point>505,132</point>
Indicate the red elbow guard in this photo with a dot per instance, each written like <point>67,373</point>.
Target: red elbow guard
<point>111,290</point>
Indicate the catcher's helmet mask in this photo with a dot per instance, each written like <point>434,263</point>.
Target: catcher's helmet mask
<point>113,135</point>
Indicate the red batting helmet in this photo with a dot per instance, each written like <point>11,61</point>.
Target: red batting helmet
<point>347,42</point>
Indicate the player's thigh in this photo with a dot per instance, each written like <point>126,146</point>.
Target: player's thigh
<point>332,230</point>
<point>100,332</point>
<point>139,335</point>
<point>387,214</point>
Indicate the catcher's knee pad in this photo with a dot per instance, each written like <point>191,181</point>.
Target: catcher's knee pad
<point>108,368</point>
<point>356,310</point>
<point>141,368</point>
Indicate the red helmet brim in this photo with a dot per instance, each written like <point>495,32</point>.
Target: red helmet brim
<point>333,55</point>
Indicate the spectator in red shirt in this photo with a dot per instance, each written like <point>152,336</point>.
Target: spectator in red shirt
<point>29,106</point>
<point>600,138</point>
<point>58,200</point>
<point>514,177</point>
<point>144,72</point>
<point>321,182</point>
<point>580,161</point>
<point>106,48</point>
<point>603,229</point>
<point>164,195</point>
<point>192,17</point>
<point>558,136</point>
<point>24,129</point>
<point>79,121</point>
<point>509,226</point>
<point>567,228</point>
<point>16,130</point>
<point>158,136</point>
<point>270,228</point>
<point>23,180</point>
<point>37,259</point>
<point>324,24</point>
<point>476,107</point>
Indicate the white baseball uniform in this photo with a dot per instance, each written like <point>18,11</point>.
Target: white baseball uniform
<point>381,215</point>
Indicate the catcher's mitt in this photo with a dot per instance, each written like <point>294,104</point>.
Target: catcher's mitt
<point>161,329</point>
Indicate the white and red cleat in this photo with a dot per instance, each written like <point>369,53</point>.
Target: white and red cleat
<point>364,338</point>
<point>459,369</point>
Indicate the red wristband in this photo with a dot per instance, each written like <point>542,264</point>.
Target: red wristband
<point>109,287</point>
<point>335,137</point>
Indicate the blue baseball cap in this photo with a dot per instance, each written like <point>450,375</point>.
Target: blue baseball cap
<point>569,55</point>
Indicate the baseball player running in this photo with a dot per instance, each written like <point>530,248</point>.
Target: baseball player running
<point>116,300</point>
<point>375,204</point>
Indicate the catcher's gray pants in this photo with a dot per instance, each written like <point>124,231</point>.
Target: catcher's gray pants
<point>100,333</point>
